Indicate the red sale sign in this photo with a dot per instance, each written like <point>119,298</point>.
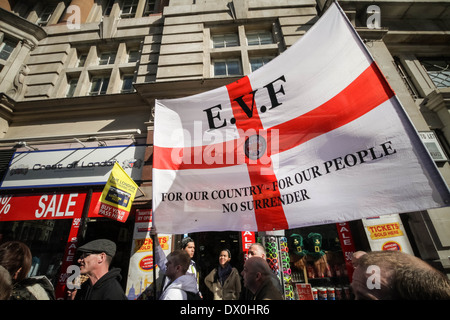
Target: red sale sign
<point>248,238</point>
<point>43,206</point>
<point>347,245</point>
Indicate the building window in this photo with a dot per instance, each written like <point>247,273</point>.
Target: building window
<point>259,38</point>
<point>229,67</point>
<point>258,62</point>
<point>225,40</point>
<point>99,86</point>
<point>108,8</point>
<point>71,87</point>
<point>438,70</point>
<point>82,60</point>
<point>133,56</point>
<point>127,84</point>
<point>107,58</point>
<point>45,15</point>
<point>129,8</point>
<point>150,7</point>
<point>6,48</point>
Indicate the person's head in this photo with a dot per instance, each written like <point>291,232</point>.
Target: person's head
<point>177,264</point>
<point>188,245</point>
<point>224,257</point>
<point>15,256</point>
<point>255,272</point>
<point>392,275</point>
<point>257,250</point>
<point>5,284</point>
<point>96,257</point>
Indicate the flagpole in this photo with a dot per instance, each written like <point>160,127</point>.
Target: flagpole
<point>154,237</point>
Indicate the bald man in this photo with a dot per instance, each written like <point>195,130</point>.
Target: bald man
<point>258,279</point>
<point>395,275</point>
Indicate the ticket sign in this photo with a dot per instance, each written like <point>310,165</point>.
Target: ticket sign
<point>387,233</point>
<point>142,266</point>
<point>386,230</point>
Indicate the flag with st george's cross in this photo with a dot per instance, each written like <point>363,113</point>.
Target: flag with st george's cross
<point>315,136</point>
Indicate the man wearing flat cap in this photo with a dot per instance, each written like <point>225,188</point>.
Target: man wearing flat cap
<point>103,284</point>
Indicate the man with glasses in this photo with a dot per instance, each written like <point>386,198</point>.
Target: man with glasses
<point>103,284</point>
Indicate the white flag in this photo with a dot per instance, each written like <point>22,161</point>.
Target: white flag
<point>315,136</point>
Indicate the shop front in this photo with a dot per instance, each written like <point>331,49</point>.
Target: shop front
<point>49,200</point>
<point>311,263</point>
<point>306,261</point>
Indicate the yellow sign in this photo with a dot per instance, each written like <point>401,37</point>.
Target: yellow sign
<point>387,230</point>
<point>144,245</point>
<point>118,195</point>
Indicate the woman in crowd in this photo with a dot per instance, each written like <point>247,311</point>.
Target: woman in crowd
<point>224,281</point>
<point>15,256</point>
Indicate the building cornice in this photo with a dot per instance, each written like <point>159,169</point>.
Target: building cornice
<point>21,28</point>
<point>63,108</point>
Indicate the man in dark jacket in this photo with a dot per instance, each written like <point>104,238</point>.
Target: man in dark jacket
<point>258,279</point>
<point>103,284</point>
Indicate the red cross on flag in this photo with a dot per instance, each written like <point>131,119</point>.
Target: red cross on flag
<point>315,136</point>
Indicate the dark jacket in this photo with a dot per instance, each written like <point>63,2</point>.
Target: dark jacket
<point>106,288</point>
<point>268,291</point>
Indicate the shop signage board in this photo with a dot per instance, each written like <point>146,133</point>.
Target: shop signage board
<point>315,136</point>
<point>141,267</point>
<point>44,206</point>
<point>387,233</point>
<point>71,167</point>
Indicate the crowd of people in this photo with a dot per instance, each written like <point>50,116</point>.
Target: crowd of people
<point>401,276</point>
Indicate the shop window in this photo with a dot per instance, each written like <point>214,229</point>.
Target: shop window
<point>99,86</point>
<point>45,15</point>
<point>259,38</point>
<point>258,62</point>
<point>438,71</point>
<point>228,67</point>
<point>317,258</point>
<point>6,48</point>
<point>107,58</point>
<point>225,40</point>
<point>129,8</point>
<point>72,85</point>
<point>46,239</point>
<point>127,84</point>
